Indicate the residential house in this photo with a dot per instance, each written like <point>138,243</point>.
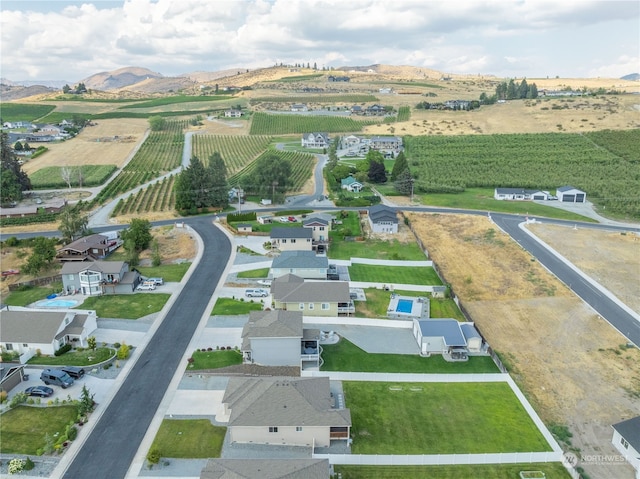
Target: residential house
<point>447,337</point>
<point>350,141</point>
<point>626,439</point>
<point>333,78</point>
<point>457,104</point>
<point>88,248</point>
<point>11,375</point>
<point>30,331</point>
<point>374,110</point>
<point>569,194</point>
<point>315,140</point>
<point>94,278</point>
<point>312,298</point>
<point>233,113</point>
<point>284,411</point>
<point>265,220</point>
<point>18,124</point>
<point>299,107</point>
<point>49,128</point>
<point>278,338</point>
<point>320,228</point>
<point>357,110</point>
<point>292,239</point>
<point>386,144</point>
<point>53,206</point>
<point>383,219</point>
<point>305,264</point>
<point>351,184</point>
<point>520,194</point>
<point>266,469</point>
<point>385,91</point>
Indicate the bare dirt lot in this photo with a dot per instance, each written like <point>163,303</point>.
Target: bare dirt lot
<point>109,142</point>
<point>575,368</point>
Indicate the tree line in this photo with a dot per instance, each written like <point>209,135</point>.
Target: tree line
<point>511,90</point>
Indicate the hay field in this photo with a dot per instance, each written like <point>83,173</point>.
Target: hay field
<point>95,145</point>
<point>572,365</point>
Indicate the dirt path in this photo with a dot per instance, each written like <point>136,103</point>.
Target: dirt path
<point>575,368</point>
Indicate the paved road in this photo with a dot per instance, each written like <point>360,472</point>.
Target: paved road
<point>112,445</point>
<point>609,308</point>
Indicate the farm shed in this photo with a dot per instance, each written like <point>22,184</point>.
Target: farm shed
<point>569,194</point>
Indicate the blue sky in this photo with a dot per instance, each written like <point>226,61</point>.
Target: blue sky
<point>70,40</point>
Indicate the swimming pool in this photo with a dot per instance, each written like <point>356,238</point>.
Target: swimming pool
<point>57,303</point>
<point>404,306</point>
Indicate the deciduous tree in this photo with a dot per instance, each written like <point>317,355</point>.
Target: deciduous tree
<point>138,234</point>
<point>73,224</point>
<point>157,123</point>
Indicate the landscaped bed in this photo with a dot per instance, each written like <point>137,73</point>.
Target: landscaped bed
<point>86,357</point>
<point>346,356</point>
<point>189,438</point>
<point>439,418</point>
<point>126,306</point>
<point>494,471</point>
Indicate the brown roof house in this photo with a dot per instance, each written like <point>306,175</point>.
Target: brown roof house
<point>88,248</point>
<point>312,298</point>
<point>266,469</point>
<point>283,410</point>
<point>94,278</point>
<point>278,338</point>
<point>28,331</point>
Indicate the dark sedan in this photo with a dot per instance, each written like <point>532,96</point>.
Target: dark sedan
<point>41,391</point>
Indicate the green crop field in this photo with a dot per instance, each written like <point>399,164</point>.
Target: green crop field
<point>404,113</point>
<point>159,154</point>
<point>236,151</point>
<point>604,164</point>
<point>171,100</point>
<point>157,197</point>
<point>266,124</point>
<point>24,112</point>
<point>52,176</point>
<point>315,98</point>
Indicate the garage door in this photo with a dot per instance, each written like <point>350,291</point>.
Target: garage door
<point>538,197</point>
<point>568,198</point>
<point>580,198</point>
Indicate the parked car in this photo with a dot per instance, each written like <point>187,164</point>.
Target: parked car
<point>284,219</point>
<point>256,293</point>
<point>74,371</point>
<point>156,281</point>
<point>40,391</point>
<point>265,282</point>
<point>10,272</point>
<point>292,219</point>
<point>146,286</point>
<point>57,377</point>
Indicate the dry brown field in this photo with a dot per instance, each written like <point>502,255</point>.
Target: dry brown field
<point>95,145</point>
<point>572,365</point>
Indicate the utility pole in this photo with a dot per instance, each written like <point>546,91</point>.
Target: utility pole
<point>273,191</point>
<point>411,180</point>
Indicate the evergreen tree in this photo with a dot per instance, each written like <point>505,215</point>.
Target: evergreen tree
<point>399,166</point>
<point>403,182</point>
<point>523,89</point>
<point>512,91</point>
<point>377,171</point>
<point>13,180</point>
<point>217,173</point>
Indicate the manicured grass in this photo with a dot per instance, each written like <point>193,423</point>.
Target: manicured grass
<point>377,304</point>
<point>168,272</point>
<point>86,357</point>
<point>23,428</point>
<point>214,359</point>
<point>31,294</point>
<point>375,249</point>
<point>439,418</point>
<point>229,306</point>
<point>445,308</point>
<point>553,470</point>
<point>350,225</point>
<point>424,275</point>
<point>189,438</point>
<point>346,356</point>
<point>254,273</point>
<point>482,199</point>
<point>126,306</point>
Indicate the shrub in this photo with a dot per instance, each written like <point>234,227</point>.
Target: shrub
<point>28,464</point>
<point>64,349</point>
<point>18,399</point>
<point>16,465</point>
<point>71,432</point>
<point>3,397</point>
<point>153,456</point>
<point>123,352</point>
<point>116,345</point>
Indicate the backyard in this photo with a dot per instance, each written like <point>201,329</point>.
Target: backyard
<point>377,304</point>
<point>189,438</point>
<point>424,275</point>
<point>126,306</point>
<point>439,418</point>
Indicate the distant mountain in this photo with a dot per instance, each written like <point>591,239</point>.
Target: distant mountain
<point>28,83</point>
<point>120,78</point>
<point>11,92</point>
<point>631,77</point>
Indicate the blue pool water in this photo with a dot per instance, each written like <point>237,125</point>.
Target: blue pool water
<point>404,306</point>
<point>57,303</point>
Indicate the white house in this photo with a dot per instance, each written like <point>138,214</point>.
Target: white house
<point>383,219</point>
<point>232,113</point>
<point>351,184</point>
<point>569,194</point>
<point>626,439</point>
<point>315,140</point>
<point>26,332</point>
<point>520,194</point>
<point>299,107</point>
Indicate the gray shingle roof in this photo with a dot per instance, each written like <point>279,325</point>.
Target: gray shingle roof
<point>280,401</point>
<point>280,232</point>
<point>300,259</point>
<point>448,329</point>
<point>30,326</point>
<point>630,430</point>
<point>315,221</point>
<point>379,213</point>
<point>266,469</point>
<point>272,324</point>
<point>107,267</point>
<point>293,289</point>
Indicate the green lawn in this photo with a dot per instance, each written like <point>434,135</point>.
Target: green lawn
<point>215,359</point>
<point>254,273</point>
<point>424,275</point>
<point>31,294</point>
<point>126,306</point>
<point>189,438</point>
<point>439,418</point>
<point>350,225</point>
<point>86,357</point>
<point>482,199</point>
<point>445,308</point>
<point>346,356</point>
<point>168,272</point>
<point>554,470</point>
<point>23,428</point>
<point>377,304</point>
<point>375,249</point>
<point>228,306</point>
